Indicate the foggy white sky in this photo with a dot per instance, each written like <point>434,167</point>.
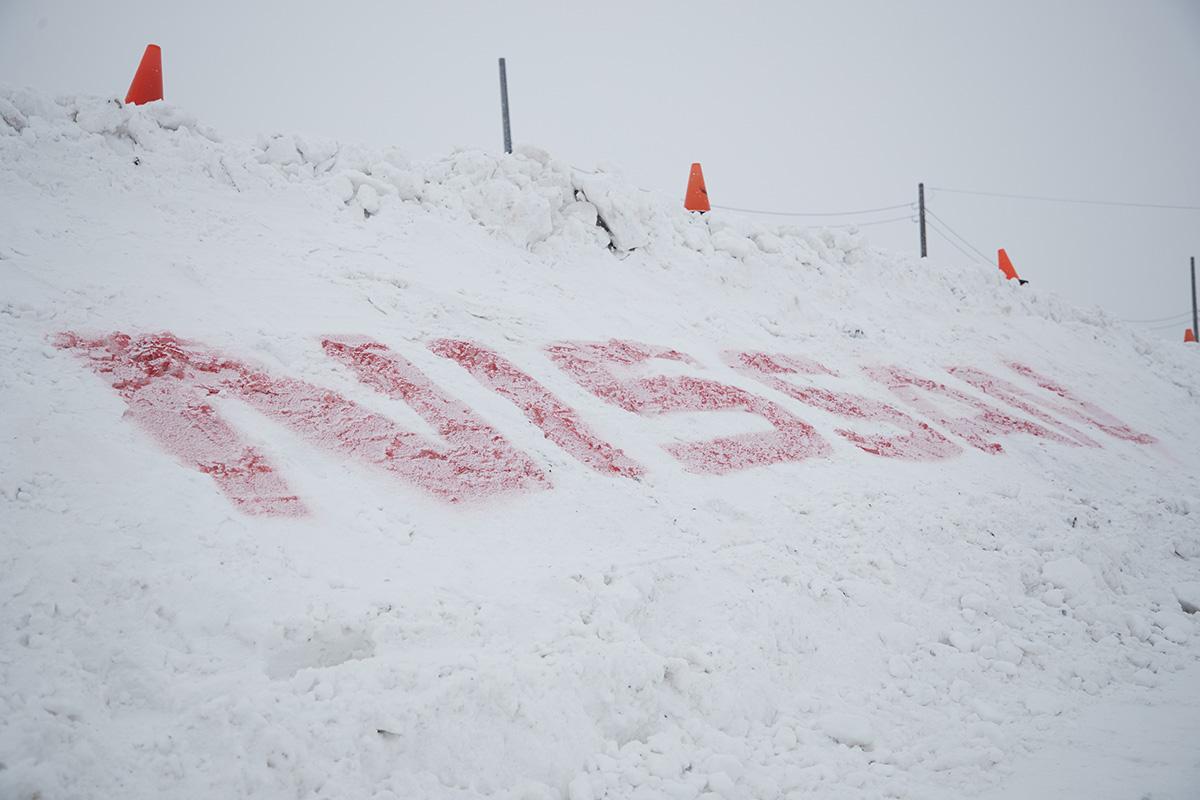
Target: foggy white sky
<point>789,105</point>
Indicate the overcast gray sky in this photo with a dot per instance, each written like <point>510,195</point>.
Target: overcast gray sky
<point>789,105</point>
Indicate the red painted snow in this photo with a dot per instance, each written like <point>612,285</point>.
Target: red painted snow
<point>557,421</point>
<point>1080,410</point>
<point>155,377</point>
<point>975,429</point>
<point>919,442</point>
<point>168,384</point>
<point>607,370</point>
<point>477,460</point>
<point>1018,398</point>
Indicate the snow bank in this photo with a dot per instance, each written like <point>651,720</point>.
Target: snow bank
<point>847,619</point>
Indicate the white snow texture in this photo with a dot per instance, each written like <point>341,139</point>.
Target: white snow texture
<point>847,625</point>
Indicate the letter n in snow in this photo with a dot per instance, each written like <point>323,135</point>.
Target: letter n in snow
<point>1079,410</point>
<point>169,385</point>
<point>976,428</point>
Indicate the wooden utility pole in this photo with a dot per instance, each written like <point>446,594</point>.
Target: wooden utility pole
<point>1195,327</point>
<point>504,107</point>
<point>921,213</point>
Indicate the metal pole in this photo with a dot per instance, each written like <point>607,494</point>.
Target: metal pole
<point>504,107</point>
<point>1195,327</point>
<point>921,211</point>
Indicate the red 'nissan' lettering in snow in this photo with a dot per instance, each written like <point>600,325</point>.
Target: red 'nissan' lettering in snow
<point>170,385</point>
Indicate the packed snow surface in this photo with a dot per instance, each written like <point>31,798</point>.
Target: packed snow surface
<point>328,473</point>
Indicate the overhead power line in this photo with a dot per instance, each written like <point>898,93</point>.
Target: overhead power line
<point>1078,200</point>
<point>937,228</point>
<point>1169,325</point>
<point>813,213</point>
<point>905,218</point>
<point>1181,315</point>
<point>963,239</point>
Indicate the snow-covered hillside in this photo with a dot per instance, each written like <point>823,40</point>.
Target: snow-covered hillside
<point>330,474</point>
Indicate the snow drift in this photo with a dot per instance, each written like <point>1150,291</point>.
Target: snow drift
<point>328,473</point>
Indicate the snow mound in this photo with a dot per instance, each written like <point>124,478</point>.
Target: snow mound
<point>326,472</point>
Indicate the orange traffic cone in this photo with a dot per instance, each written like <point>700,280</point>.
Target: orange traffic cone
<point>147,81</point>
<point>697,195</point>
<point>1006,266</point>
<point>1188,336</point>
